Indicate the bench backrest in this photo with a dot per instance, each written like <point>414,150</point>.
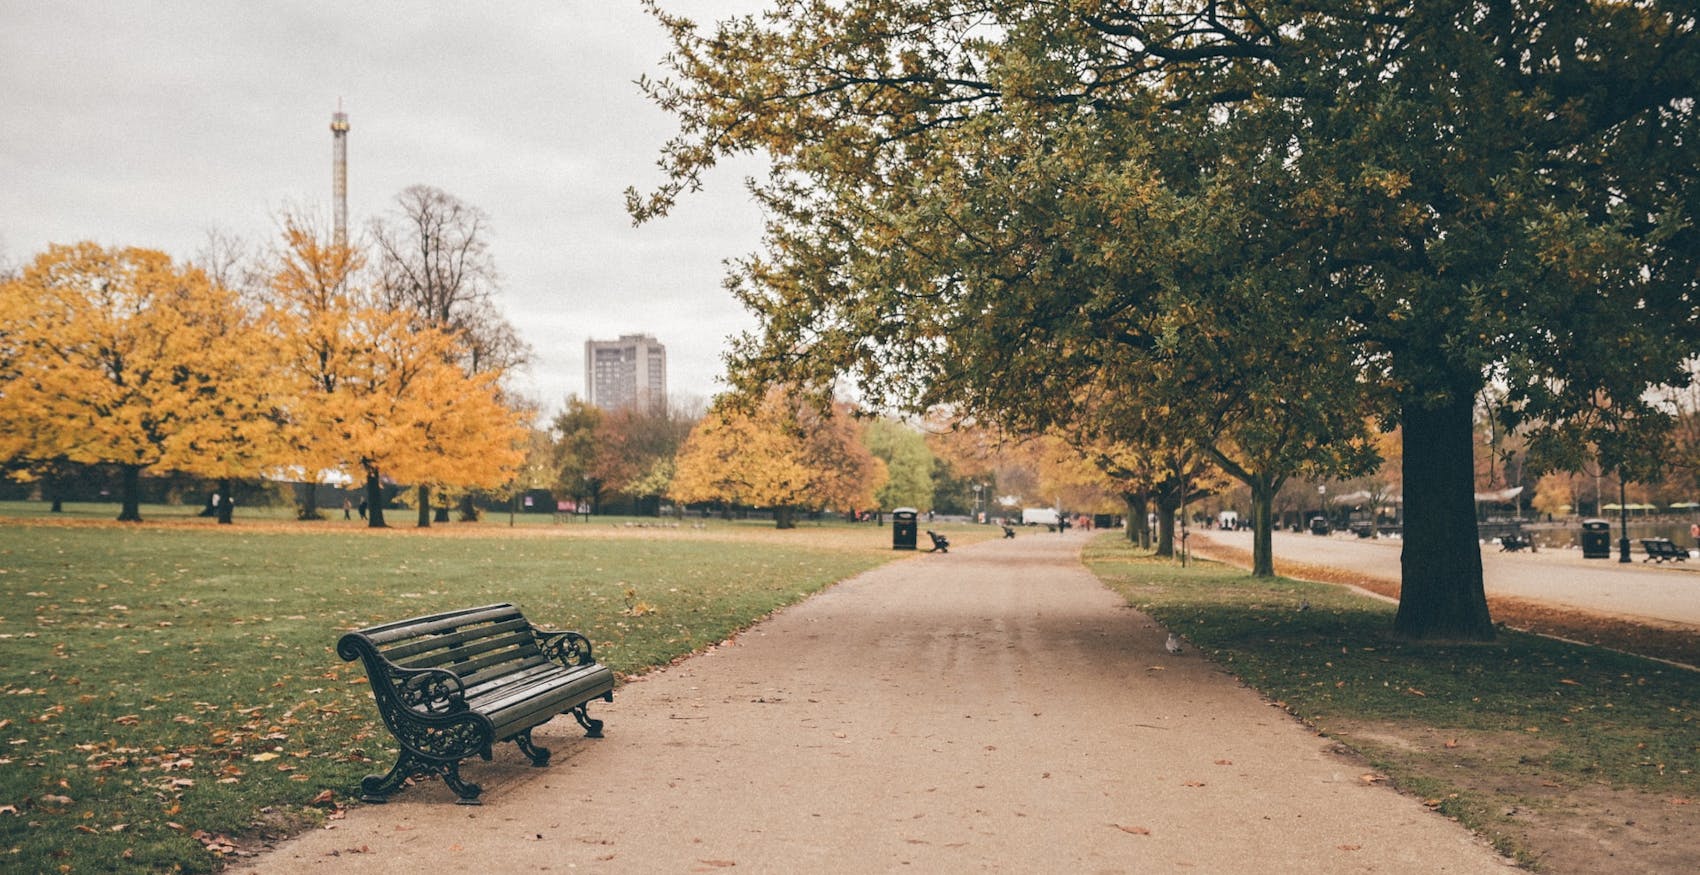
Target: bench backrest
<point>477,644</point>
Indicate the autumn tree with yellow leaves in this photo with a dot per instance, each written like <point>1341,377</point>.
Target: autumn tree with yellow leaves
<point>785,454</point>
<point>121,357</point>
<point>385,395</point>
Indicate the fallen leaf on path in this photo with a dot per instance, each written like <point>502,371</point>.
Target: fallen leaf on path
<point>1451,743</point>
<point>1371,778</point>
<point>1132,830</point>
<point>718,864</point>
<point>1224,762</point>
<point>1351,847</point>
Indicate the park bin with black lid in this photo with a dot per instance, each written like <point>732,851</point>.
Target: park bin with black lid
<point>1596,539</point>
<point>904,528</point>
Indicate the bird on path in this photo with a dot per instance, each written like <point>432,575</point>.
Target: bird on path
<point>1173,645</point>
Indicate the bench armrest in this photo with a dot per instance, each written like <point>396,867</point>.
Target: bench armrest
<point>422,691</point>
<point>565,648</point>
<point>430,691</point>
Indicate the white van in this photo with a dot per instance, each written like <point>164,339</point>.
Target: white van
<point>1039,516</point>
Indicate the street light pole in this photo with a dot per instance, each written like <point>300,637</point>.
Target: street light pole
<point>1623,519</point>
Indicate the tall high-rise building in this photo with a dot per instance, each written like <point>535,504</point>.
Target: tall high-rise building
<point>339,172</point>
<point>629,372</point>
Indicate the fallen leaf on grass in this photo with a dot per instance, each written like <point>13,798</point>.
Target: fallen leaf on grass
<point>1451,743</point>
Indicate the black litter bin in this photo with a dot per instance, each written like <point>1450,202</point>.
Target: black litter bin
<point>1596,539</point>
<point>903,528</point>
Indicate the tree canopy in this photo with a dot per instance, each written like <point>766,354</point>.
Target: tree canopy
<point>1376,208</point>
<point>783,453</point>
<point>122,357</point>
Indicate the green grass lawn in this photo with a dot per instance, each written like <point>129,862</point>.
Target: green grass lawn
<point>171,684</point>
<point>1477,730</point>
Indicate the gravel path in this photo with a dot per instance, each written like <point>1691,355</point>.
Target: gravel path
<point>993,709</point>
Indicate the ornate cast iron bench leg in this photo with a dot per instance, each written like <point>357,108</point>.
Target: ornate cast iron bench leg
<point>378,788</point>
<point>539,756</point>
<point>592,726</point>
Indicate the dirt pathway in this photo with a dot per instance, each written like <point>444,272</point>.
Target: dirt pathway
<point>993,709</point>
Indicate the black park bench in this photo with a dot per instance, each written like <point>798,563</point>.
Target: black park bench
<point>941,544</point>
<point>451,685</point>
<point>1661,549</point>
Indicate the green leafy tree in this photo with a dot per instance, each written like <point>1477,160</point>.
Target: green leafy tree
<point>992,196</point>
<point>574,433</point>
<point>908,462</point>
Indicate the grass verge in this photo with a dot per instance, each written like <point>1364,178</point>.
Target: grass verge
<point>1500,736</point>
<point>168,688</point>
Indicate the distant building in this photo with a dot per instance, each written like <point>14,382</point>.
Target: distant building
<point>629,372</point>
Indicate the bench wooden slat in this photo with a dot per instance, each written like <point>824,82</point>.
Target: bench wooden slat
<point>466,650</point>
<point>455,638</point>
<point>435,623</point>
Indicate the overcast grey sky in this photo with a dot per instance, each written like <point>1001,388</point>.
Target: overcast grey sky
<point>151,123</point>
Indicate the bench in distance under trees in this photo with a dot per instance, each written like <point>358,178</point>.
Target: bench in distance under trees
<point>941,544</point>
<point>1661,549</point>
<point>451,685</point>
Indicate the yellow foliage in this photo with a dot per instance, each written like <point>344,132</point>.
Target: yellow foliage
<point>784,454</point>
<point>120,356</point>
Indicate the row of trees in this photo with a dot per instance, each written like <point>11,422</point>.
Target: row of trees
<point>780,453</point>
<point>317,361</point>
<point>1238,236</point>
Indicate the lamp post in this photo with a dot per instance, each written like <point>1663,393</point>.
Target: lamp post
<point>1622,519</point>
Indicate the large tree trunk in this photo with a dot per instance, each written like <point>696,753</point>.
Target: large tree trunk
<point>310,502</point>
<point>131,491</point>
<point>1442,597</point>
<point>374,499</point>
<point>1263,491</point>
<point>1168,504</point>
<point>785,517</point>
<point>227,507</point>
<point>424,506</point>
<point>1138,519</point>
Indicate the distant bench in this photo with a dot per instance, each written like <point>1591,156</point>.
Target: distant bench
<point>1661,549</point>
<point>451,685</point>
<point>1513,542</point>
<point>941,544</point>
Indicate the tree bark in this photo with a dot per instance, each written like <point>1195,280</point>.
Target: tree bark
<point>131,489</point>
<point>374,499</point>
<point>1168,504</point>
<point>784,517</point>
<point>1138,519</point>
<point>227,507</point>
<point>1263,491</point>
<point>424,506</point>
<point>310,502</point>
<point>1442,597</point>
